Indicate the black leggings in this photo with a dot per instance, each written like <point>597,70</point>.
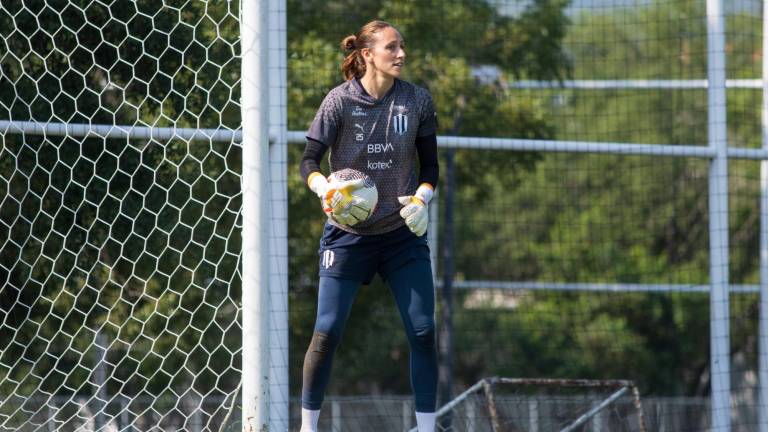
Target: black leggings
<point>414,293</point>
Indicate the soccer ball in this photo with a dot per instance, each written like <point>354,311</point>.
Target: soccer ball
<point>361,201</point>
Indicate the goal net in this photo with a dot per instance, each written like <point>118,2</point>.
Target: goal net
<point>119,215</point>
<point>540,404</point>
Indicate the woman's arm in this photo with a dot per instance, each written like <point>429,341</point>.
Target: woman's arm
<point>310,162</point>
<point>429,171</point>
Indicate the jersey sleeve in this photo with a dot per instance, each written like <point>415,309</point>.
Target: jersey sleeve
<point>327,121</point>
<point>427,114</point>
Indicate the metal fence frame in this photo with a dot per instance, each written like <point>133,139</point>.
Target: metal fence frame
<point>275,387</point>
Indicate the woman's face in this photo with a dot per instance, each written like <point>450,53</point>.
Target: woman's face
<point>388,53</point>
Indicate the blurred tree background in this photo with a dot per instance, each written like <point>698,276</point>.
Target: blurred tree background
<point>524,216</point>
<point>139,240</point>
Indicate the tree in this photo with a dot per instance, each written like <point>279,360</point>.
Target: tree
<point>611,218</point>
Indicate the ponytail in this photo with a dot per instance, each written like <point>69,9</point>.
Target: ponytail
<point>353,65</point>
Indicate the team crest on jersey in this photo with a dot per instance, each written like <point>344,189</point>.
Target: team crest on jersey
<point>400,121</point>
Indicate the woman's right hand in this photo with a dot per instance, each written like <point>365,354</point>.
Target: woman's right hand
<point>336,196</point>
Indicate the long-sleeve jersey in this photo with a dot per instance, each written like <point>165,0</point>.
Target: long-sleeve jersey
<point>377,137</point>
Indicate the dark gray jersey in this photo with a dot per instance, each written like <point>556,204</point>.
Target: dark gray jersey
<point>376,137</point>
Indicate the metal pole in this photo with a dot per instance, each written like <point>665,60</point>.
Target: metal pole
<point>406,413</point>
<point>278,277</point>
<point>639,408</point>
<point>595,410</point>
<point>445,334</point>
<point>335,416</point>
<point>591,147</point>
<point>762,409</point>
<point>718,219</point>
<point>255,182</point>
<point>434,227</point>
<point>100,344</point>
<point>493,411</point>
<point>533,414</point>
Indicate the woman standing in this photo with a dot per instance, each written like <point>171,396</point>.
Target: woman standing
<point>379,125</point>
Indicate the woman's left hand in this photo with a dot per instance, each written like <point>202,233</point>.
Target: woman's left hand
<point>415,214</point>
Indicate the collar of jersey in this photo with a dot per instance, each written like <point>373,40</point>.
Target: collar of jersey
<point>365,94</point>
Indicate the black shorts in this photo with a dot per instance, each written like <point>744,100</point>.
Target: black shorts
<point>360,257</point>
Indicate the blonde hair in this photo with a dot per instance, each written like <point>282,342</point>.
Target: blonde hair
<point>353,65</point>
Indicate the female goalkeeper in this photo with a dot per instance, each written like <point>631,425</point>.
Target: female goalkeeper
<point>377,124</point>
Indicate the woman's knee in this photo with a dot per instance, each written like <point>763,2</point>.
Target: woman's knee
<point>323,344</point>
<point>424,336</point>
<point>331,325</point>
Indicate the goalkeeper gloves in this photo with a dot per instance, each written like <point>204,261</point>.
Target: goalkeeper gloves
<point>337,200</point>
<point>415,211</point>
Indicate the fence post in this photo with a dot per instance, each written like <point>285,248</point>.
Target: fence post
<point>335,416</point>
<point>718,219</point>
<point>255,214</point>
<point>445,369</point>
<point>762,408</point>
<point>51,423</point>
<point>279,394</point>
<point>125,418</point>
<point>533,414</point>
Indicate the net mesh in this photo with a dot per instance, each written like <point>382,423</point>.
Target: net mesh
<point>545,405</point>
<point>120,233</point>
<point>119,256</point>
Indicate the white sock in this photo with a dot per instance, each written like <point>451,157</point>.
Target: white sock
<point>426,421</point>
<point>309,420</point>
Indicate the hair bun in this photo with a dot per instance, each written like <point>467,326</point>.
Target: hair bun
<point>348,44</point>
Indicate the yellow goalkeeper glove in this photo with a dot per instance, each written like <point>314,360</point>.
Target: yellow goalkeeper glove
<point>336,198</point>
<point>415,209</point>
